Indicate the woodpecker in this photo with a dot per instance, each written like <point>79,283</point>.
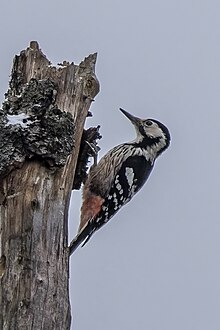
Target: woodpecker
<point>119,175</point>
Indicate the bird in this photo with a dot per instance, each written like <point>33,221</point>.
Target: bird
<point>119,175</point>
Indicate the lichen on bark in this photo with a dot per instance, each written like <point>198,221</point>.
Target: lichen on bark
<point>32,126</point>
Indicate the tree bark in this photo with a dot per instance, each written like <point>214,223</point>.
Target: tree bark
<point>41,125</point>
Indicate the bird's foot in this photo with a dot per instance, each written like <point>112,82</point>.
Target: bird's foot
<point>94,149</point>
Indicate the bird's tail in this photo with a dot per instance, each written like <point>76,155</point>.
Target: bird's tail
<point>83,236</point>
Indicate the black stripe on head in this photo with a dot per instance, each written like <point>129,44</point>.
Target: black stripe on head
<point>164,129</point>
<point>147,141</point>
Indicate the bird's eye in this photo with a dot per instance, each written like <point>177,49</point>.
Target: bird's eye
<point>148,122</point>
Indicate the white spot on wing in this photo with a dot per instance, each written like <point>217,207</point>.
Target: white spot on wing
<point>117,179</point>
<point>116,202</point>
<point>129,173</point>
<point>132,192</point>
<point>118,186</point>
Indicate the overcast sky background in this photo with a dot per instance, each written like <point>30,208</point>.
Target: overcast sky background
<point>156,265</point>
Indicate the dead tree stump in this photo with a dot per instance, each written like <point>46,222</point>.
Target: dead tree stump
<point>41,125</point>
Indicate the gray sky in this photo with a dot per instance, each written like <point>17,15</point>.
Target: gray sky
<point>156,265</point>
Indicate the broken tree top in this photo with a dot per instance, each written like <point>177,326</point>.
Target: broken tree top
<point>38,116</point>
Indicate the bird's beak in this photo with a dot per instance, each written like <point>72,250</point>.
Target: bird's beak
<point>135,120</point>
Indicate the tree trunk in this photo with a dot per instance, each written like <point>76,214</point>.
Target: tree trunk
<point>41,126</point>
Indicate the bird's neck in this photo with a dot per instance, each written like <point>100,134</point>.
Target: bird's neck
<point>145,141</point>
<point>153,146</point>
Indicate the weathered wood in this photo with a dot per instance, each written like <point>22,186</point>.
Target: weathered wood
<point>37,167</point>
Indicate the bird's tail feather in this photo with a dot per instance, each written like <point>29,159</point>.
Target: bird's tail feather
<point>83,236</point>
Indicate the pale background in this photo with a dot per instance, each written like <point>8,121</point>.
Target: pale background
<point>156,265</point>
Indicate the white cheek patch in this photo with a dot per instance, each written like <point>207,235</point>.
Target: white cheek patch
<point>155,131</point>
<point>129,173</point>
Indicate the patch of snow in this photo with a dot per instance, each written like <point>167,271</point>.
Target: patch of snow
<point>21,119</point>
<point>57,66</point>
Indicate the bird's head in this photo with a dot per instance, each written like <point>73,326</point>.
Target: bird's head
<point>150,132</point>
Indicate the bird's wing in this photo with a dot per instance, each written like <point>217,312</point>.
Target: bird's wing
<point>128,180</point>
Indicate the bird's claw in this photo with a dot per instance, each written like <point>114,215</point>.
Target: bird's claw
<point>94,149</point>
